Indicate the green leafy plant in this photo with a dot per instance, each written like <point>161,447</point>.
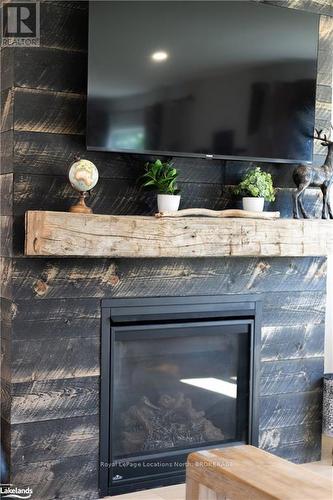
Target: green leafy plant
<point>161,176</point>
<point>256,184</point>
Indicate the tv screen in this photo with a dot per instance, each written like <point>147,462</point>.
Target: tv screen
<point>203,78</point>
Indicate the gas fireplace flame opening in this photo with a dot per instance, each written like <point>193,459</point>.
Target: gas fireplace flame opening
<point>214,385</point>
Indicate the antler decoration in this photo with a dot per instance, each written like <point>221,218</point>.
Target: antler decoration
<point>323,138</point>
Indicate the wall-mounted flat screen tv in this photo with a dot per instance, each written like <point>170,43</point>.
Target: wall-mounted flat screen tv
<point>225,79</point>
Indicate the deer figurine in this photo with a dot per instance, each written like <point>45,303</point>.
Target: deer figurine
<point>310,176</point>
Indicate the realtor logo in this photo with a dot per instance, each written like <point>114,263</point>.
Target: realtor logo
<point>10,491</point>
<point>20,24</point>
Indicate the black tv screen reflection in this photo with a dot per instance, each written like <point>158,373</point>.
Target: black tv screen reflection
<point>222,79</point>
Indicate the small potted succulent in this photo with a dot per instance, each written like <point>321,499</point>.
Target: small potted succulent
<point>255,188</point>
<point>162,177</point>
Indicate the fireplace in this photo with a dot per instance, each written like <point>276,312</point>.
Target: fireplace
<point>178,374</point>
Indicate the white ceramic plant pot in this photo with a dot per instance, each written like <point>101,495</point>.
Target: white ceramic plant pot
<point>253,204</point>
<point>168,202</point>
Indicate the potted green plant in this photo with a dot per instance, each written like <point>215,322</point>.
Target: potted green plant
<point>162,177</point>
<point>256,188</point>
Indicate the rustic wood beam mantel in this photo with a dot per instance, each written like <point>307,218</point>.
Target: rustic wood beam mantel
<point>62,234</point>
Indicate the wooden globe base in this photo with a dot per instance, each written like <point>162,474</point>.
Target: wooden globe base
<point>80,207</point>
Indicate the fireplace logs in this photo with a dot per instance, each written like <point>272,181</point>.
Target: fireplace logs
<point>171,423</point>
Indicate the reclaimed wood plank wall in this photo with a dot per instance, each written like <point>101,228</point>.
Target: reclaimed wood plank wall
<point>6,234</point>
<point>51,307</point>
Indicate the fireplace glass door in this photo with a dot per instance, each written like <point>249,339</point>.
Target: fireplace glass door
<point>176,388</point>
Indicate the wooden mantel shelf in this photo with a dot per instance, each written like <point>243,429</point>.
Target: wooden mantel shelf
<point>62,234</point>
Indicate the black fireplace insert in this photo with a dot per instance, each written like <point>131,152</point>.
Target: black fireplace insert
<point>178,374</point>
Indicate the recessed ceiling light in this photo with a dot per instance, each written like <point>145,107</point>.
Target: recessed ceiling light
<point>160,56</point>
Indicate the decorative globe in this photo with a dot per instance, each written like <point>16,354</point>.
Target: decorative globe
<point>83,175</point>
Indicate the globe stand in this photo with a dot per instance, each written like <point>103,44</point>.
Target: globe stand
<point>81,207</point>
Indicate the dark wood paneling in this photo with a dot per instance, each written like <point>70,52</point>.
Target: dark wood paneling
<point>6,310</point>
<point>55,319</point>
<point>113,196</point>
<point>271,439</point>
<point>67,73</point>
<point>303,452</point>
<point>315,6</point>
<point>80,278</point>
<point>325,33</point>
<point>291,376</point>
<point>6,194</point>
<point>324,77</point>
<point>281,173</point>
<point>42,153</point>
<point>64,26</point>
<point>293,309</point>
<point>318,159</point>
<point>293,442</point>
<point>70,4</point>
<point>284,410</point>
<point>6,101</point>
<point>6,357</point>
<point>6,400</point>
<point>6,240</point>
<point>54,359</point>
<point>6,152</point>
<point>6,277</point>
<point>55,399</point>
<point>324,93</point>
<point>56,323</point>
<point>55,193</point>
<point>52,154</point>
<point>73,278</point>
<point>53,439</point>
<point>323,111</point>
<point>60,478</point>
<point>126,197</point>
<point>158,277</point>
<point>52,112</point>
<point>322,124</point>
<point>83,495</point>
<point>292,342</point>
<point>7,67</point>
<point>6,330</point>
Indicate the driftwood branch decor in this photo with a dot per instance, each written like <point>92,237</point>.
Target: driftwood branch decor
<point>88,235</point>
<point>223,214</point>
